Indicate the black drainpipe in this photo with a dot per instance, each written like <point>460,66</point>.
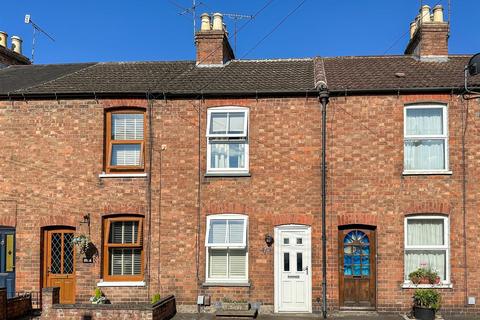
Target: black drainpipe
<point>323,98</point>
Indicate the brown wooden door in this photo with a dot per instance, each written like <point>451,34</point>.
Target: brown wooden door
<point>59,263</point>
<point>357,268</point>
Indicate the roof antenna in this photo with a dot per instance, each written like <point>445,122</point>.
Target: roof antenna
<point>235,17</point>
<point>28,20</point>
<point>191,10</point>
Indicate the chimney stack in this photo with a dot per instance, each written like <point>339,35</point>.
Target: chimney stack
<point>13,55</point>
<point>429,35</point>
<point>213,48</point>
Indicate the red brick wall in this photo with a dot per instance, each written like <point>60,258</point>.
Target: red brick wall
<point>53,153</point>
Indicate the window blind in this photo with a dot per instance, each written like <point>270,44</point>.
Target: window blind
<point>237,263</point>
<point>124,232</point>
<point>127,126</point>
<point>125,261</point>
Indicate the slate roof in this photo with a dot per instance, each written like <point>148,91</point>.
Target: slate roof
<point>236,77</point>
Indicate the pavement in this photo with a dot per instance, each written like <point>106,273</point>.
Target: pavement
<point>335,316</point>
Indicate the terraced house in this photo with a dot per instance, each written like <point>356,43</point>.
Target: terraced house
<point>203,178</point>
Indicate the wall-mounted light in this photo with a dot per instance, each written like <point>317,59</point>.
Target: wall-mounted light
<point>86,219</point>
<point>268,240</point>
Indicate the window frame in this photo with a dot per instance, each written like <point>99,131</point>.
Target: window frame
<point>226,247</point>
<point>443,137</point>
<point>109,142</point>
<point>107,222</point>
<point>445,247</point>
<point>216,138</point>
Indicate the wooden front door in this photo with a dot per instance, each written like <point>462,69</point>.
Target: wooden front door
<point>59,263</point>
<point>357,268</point>
<point>7,261</point>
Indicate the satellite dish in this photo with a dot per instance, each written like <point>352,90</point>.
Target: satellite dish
<point>474,65</point>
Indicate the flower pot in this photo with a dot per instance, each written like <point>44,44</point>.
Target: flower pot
<point>437,280</point>
<point>423,313</point>
<point>424,281</point>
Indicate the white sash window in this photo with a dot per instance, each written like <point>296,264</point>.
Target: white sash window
<point>226,244</point>
<point>227,140</point>
<point>427,245</point>
<point>425,139</point>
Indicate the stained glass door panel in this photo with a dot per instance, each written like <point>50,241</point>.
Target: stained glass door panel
<point>357,268</point>
<point>59,263</point>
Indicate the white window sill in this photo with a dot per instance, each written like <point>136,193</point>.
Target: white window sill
<point>426,172</point>
<point>121,284</point>
<point>408,285</point>
<point>219,283</point>
<point>122,175</point>
<point>227,174</point>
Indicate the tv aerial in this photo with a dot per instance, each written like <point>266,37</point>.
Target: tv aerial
<point>472,69</point>
<point>35,27</point>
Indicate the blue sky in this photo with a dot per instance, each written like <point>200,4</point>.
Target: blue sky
<point>150,30</point>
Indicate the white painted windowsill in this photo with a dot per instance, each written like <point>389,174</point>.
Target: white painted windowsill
<point>426,172</point>
<point>121,284</point>
<point>122,175</point>
<point>408,285</point>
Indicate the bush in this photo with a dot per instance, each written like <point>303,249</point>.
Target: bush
<point>427,298</point>
<point>423,273</point>
<point>155,298</point>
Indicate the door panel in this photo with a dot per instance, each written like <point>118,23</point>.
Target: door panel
<point>7,261</point>
<point>357,281</point>
<point>59,263</point>
<point>293,269</point>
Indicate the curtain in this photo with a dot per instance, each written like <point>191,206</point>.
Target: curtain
<point>425,232</point>
<point>424,122</point>
<point>227,155</point>
<point>425,154</point>
<point>433,259</point>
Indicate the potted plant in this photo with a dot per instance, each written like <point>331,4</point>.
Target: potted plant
<point>424,276</point>
<point>99,297</point>
<point>426,302</point>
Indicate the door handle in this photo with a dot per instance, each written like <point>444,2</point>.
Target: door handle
<point>306,269</point>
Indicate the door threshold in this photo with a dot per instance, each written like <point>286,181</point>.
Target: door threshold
<point>355,309</point>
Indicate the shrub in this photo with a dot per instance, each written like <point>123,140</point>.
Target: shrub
<point>155,298</point>
<point>427,298</point>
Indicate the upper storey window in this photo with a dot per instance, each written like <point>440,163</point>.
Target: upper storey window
<point>425,139</point>
<point>227,140</point>
<point>125,141</point>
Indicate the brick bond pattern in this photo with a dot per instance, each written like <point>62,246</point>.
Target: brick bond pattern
<point>52,153</point>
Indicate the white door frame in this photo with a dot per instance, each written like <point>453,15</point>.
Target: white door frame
<point>277,276</point>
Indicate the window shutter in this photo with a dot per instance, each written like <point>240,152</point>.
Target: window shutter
<point>218,263</point>
<point>116,262</point>
<point>237,263</point>
<point>127,126</point>
<point>137,261</point>
<point>236,229</point>
<point>218,231</point>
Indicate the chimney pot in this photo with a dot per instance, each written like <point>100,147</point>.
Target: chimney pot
<point>413,28</point>
<point>217,21</point>
<point>3,39</point>
<point>438,13</point>
<point>205,26</point>
<point>425,12</point>
<point>17,44</point>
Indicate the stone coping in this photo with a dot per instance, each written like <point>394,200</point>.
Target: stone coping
<point>115,306</point>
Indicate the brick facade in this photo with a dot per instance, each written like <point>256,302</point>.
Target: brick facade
<point>53,154</point>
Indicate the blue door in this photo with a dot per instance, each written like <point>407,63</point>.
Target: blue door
<point>7,261</point>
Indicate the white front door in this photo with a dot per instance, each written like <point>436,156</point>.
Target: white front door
<point>293,269</point>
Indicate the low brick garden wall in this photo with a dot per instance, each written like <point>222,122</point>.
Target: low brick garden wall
<point>15,307</point>
<point>51,309</point>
